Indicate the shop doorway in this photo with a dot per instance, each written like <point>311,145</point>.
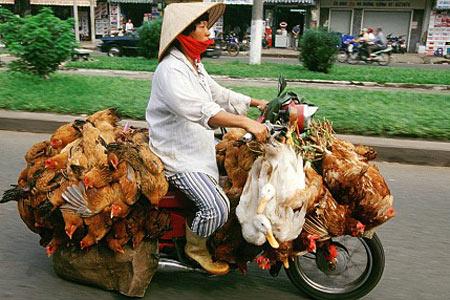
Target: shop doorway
<point>237,18</point>
<point>135,12</point>
<point>292,16</point>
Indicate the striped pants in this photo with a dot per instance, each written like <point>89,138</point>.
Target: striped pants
<point>212,204</point>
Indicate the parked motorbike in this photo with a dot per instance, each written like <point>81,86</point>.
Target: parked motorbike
<point>359,267</point>
<point>358,52</point>
<point>229,43</point>
<point>397,43</point>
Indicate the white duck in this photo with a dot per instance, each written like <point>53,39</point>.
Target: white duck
<point>256,228</point>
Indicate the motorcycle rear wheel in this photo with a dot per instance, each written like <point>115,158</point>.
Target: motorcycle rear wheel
<point>361,286</point>
<point>353,58</point>
<point>384,59</point>
<point>233,50</point>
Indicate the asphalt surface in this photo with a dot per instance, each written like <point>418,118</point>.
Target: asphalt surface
<point>416,243</point>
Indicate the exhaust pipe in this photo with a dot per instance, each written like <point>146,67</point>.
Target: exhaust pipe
<point>171,265</point>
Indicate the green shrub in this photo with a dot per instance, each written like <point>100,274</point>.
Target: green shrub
<point>318,50</point>
<point>40,42</point>
<point>149,34</point>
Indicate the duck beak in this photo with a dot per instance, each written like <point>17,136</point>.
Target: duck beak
<point>286,263</point>
<point>271,239</point>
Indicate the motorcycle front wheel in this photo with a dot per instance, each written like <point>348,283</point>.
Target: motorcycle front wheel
<point>342,56</point>
<point>359,267</point>
<point>233,50</point>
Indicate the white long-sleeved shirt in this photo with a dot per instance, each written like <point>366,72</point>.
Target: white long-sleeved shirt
<point>181,103</point>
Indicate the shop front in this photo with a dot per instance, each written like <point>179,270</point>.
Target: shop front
<point>8,4</point>
<point>288,13</point>
<point>399,18</point>
<point>438,33</point>
<point>111,16</point>
<point>283,15</point>
<point>63,9</point>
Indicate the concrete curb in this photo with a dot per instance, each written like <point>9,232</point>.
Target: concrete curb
<point>407,151</point>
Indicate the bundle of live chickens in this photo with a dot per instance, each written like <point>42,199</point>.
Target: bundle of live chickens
<point>93,182</point>
<point>295,193</point>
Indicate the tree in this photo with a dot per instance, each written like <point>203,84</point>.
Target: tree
<point>318,49</point>
<point>149,34</point>
<point>40,42</point>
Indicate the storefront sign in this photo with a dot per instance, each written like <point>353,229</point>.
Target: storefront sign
<point>390,4</point>
<point>235,2</point>
<point>443,4</point>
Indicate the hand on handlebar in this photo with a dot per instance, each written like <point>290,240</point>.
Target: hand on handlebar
<point>258,130</point>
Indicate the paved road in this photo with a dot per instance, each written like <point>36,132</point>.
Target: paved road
<point>417,246</point>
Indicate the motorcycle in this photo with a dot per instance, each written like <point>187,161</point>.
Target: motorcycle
<point>397,43</point>
<point>310,273</point>
<point>358,52</point>
<point>229,43</point>
<point>359,266</point>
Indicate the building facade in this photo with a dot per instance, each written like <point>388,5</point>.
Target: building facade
<point>398,17</point>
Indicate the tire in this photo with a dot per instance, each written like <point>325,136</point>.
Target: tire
<point>385,59</point>
<point>352,58</point>
<point>233,50</point>
<point>114,51</point>
<point>342,56</point>
<point>372,275</point>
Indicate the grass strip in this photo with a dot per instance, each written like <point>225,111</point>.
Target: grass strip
<point>380,113</point>
<point>240,69</point>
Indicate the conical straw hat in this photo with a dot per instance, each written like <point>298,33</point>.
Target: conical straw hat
<point>178,16</point>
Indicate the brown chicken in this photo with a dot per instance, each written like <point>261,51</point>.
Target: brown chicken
<point>150,160</point>
<point>98,177</point>
<point>136,224</point>
<point>157,223</point>
<point>109,115</point>
<point>64,135</point>
<point>342,168</point>
<point>98,226</point>
<point>93,147</point>
<point>91,201</point>
<point>72,221</point>
<point>47,181</point>
<point>37,150</point>
<point>153,187</point>
<point>376,207</point>
<point>57,162</point>
<point>237,160</point>
<point>227,244</point>
<point>365,151</point>
<point>325,217</point>
<point>118,237</point>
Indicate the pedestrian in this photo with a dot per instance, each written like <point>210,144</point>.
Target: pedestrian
<point>184,108</point>
<point>295,34</point>
<point>129,27</point>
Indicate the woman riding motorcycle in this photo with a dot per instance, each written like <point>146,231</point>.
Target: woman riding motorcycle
<point>184,108</point>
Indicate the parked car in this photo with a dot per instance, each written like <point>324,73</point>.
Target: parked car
<point>121,45</point>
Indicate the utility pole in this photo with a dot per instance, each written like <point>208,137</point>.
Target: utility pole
<point>256,32</point>
<point>92,12</point>
<point>75,17</point>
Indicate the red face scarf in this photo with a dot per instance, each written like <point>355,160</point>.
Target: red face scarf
<point>192,47</point>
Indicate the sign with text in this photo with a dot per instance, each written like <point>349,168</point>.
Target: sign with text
<point>389,4</point>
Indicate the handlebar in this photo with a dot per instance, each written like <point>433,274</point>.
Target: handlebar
<point>271,128</point>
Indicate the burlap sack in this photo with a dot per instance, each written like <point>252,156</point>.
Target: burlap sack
<point>129,273</point>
